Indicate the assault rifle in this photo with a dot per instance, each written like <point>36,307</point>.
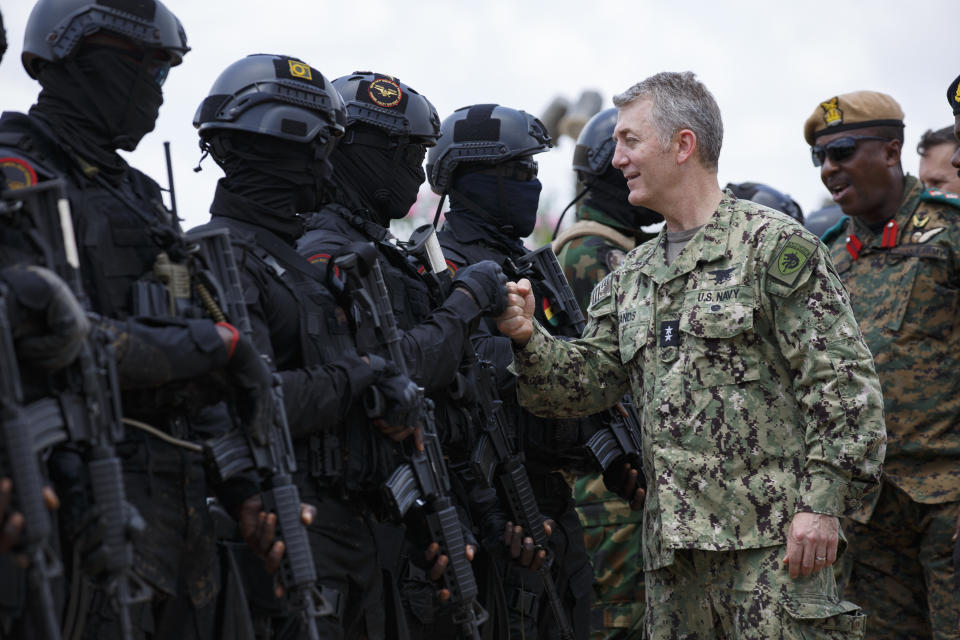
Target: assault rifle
<point>496,461</point>
<point>422,480</point>
<point>22,464</point>
<point>88,411</point>
<point>218,285</point>
<point>618,441</point>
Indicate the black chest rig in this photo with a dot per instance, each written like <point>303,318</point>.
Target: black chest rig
<point>120,229</point>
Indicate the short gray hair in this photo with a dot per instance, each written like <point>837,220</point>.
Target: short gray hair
<point>680,101</point>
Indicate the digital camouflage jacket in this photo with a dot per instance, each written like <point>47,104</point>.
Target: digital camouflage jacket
<point>757,393</point>
<point>904,286</point>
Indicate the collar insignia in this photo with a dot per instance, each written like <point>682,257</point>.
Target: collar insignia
<point>920,237</point>
<point>920,223</point>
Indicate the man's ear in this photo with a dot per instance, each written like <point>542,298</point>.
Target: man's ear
<point>686,141</point>
<point>892,149</point>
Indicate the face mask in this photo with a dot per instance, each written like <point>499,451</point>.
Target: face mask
<point>386,178</point>
<point>508,203</point>
<point>124,92</point>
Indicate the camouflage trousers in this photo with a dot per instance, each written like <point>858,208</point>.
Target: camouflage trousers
<point>902,571</point>
<point>745,595</point>
<point>612,533</point>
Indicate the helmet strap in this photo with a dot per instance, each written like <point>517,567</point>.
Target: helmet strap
<point>576,199</point>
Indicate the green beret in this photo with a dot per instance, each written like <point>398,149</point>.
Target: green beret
<point>852,111</point>
<point>953,96</point>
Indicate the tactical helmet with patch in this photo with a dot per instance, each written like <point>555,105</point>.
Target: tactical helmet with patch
<point>483,133</point>
<point>273,95</point>
<point>56,28</point>
<point>384,102</point>
<point>768,197</point>
<point>595,146</point>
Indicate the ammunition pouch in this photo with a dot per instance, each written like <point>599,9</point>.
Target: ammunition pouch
<point>325,463</point>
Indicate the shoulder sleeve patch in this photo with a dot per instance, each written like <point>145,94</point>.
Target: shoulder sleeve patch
<point>790,258</point>
<point>945,197</point>
<point>17,173</point>
<point>602,291</point>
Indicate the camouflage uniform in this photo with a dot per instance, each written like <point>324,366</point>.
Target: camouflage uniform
<point>588,250</point>
<point>904,289</point>
<point>758,398</point>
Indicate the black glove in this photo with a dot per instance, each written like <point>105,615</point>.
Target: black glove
<point>486,282</point>
<point>252,383</point>
<point>49,325</point>
<point>395,398</point>
<point>96,555</point>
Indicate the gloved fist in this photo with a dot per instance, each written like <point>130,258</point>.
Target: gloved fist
<point>49,325</point>
<point>93,539</point>
<point>252,383</point>
<point>393,401</point>
<point>486,283</point>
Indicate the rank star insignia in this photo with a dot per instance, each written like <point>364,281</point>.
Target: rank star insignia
<point>669,333</point>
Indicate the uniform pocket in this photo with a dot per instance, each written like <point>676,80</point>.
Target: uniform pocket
<point>634,331</point>
<point>716,340</point>
<point>819,618</point>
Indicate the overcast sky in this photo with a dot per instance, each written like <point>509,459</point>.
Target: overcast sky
<point>768,63</point>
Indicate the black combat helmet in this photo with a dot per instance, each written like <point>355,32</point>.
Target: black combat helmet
<point>485,134</point>
<point>55,28</point>
<point>386,103</point>
<point>276,96</point>
<point>768,197</point>
<point>822,220</point>
<point>594,151</point>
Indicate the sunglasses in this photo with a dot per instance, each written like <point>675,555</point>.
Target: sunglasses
<point>839,150</point>
<point>524,169</point>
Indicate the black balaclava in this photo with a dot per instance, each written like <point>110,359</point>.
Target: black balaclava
<point>269,181</point>
<point>503,208</point>
<point>608,193</point>
<point>99,101</point>
<point>376,174</point>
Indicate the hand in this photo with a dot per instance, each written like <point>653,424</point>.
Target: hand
<point>625,482</point>
<point>93,540</point>
<point>49,325</point>
<point>439,565</point>
<point>811,543</point>
<point>253,386</point>
<point>12,522</point>
<point>521,548</point>
<point>485,283</point>
<point>258,529</point>
<point>400,413</point>
<point>516,322</point>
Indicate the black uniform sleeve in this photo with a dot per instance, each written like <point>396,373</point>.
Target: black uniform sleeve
<point>154,351</point>
<point>427,347</point>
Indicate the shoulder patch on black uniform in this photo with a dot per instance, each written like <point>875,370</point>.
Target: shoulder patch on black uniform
<point>790,258</point>
<point>945,197</point>
<point>602,290</point>
<point>17,173</point>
